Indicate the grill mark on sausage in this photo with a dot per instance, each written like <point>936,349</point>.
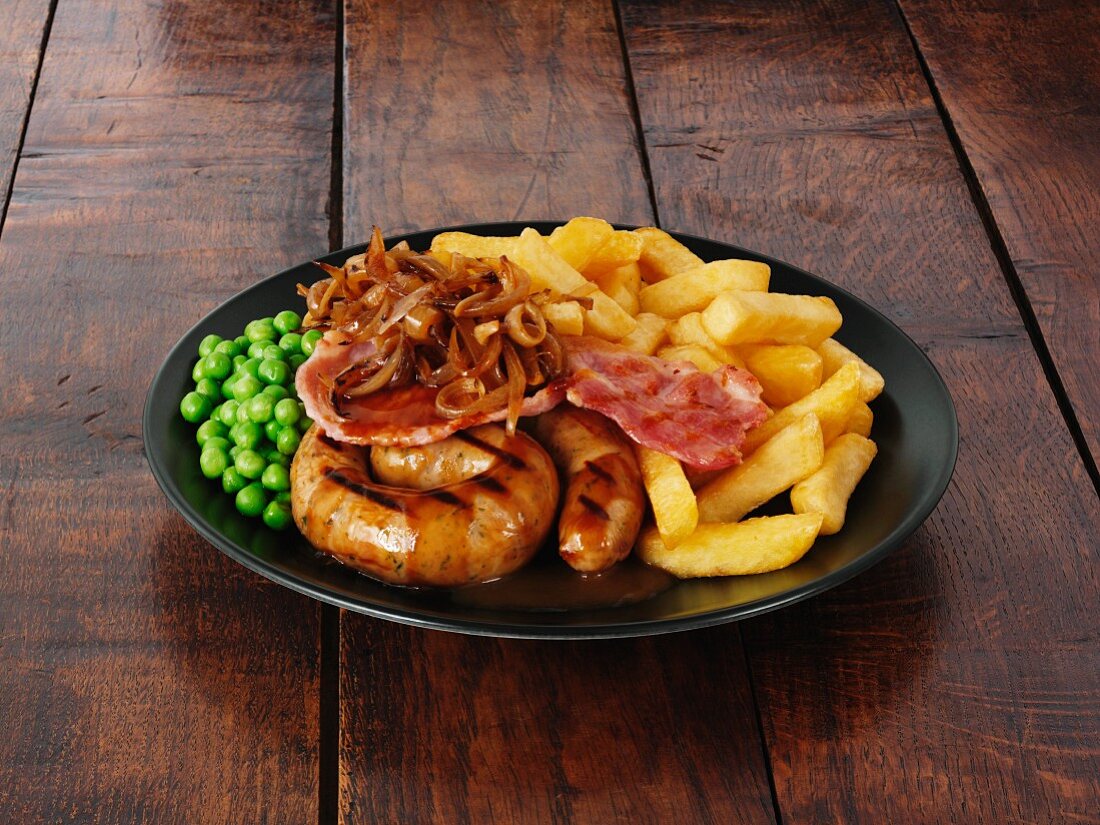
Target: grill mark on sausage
<point>490,483</point>
<point>594,508</point>
<point>508,458</point>
<point>598,471</point>
<point>447,497</point>
<point>362,489</point>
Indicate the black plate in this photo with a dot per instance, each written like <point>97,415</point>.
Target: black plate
<point>915,429</point>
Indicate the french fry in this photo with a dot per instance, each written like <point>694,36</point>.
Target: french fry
<point>860,420</point>
<point>548,270</point>
<point>578,240</point>
<point>770,317</point>
<point>566,317</point>
<point>622,248</point>
<point>827,491</point>
<point>649,334</point>
<point>834,355</point>
<point>757,545</point>
<point>621,285</point>
<point>473,246</point>
<point>694,353</point>
<point>785,371</point>
<point>693,290</point>
<point>670,495</point>
<point>688,329</point>
<point>663,256</point>
<point>832,403</point>
<point>786,458</point>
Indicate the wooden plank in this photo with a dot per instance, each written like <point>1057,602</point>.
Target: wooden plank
<point>20,50</point>
<point>1020,85</point>
<point>959,681</point>
<point>504,110</point>
<point>172,158</point>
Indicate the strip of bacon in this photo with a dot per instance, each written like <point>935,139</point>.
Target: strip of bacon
<point>668,406</point>
<point>672,407</point>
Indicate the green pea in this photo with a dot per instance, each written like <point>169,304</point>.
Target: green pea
<point>242,342</point>
<point>217,365</point>
<point>292,391</point>
<point>309,341</point>
<point>241,416</point>
<point>195,408</point>
<point>296,361</point>
<point>249,435</point>
<point>283,497</point>
<point>288,441</point>
<point>260,331</point>
<point>235,451</point>
<point>249,464</point>
<point>218,442</point>
<point>228,349</point>
<point>198,372</point>
<point>251,500</point>
<point>304,423</point>
<point>232,481</point>
<point>260,408</point>
<point>245,387</point>
<point>275,477</point>
<point>287,412</point>
<point>287,321</point>
<point>207,344</point>
<point>238,360</point>
<point>257,350</point>
<point>210,429</point>
<point>213,462</point>
<point>291,343</point>
<point>229,413</point>
<point>251,367</point>
<point>210,388</point>
<point>227,387</point>
<point>274,372</point>
<point>276,391</point>
<point>271,430</point>
<point>275,457</point>
<point>274,352</point>
<point>277,516</point>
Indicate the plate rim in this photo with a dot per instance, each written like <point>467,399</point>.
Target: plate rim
<point>902,531</point>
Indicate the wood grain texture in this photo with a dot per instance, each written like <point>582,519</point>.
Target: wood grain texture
<point>466,112</point>
<point>959,681</point>
<point>1020,83</point>
<point>20,49</point>
<point>176,153</point>
<point>508,110</point>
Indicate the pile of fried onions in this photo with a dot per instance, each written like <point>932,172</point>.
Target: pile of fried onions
<point>469,327</point>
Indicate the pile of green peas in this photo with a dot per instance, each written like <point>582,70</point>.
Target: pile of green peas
<point>249,418</point>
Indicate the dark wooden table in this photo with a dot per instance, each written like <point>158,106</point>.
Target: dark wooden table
<point>939,159</point>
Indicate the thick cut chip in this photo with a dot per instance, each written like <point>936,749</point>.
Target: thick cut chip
<point>832,403</point>
<point>663,256</point>
<point>548,270</point>
<point>694,353</point>
<point>578,240</point>
<point>789,456</point>
<point>770,318</point>
<point>834,355</point>
<point>688,329</point>
<point>566,317</point>
<point>785,371</point>
<point>693,290</point>
<point>860,420</point>
<point>648,336</point>
<point>622,248</point>
<point>670,495</point>
<point>622,285</point>
<point>827,491</point>
<point>473,246</point>
<point>757,545</point>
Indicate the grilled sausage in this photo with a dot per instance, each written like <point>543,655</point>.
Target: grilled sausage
<point>604,497</point>
<point>479,528</point>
